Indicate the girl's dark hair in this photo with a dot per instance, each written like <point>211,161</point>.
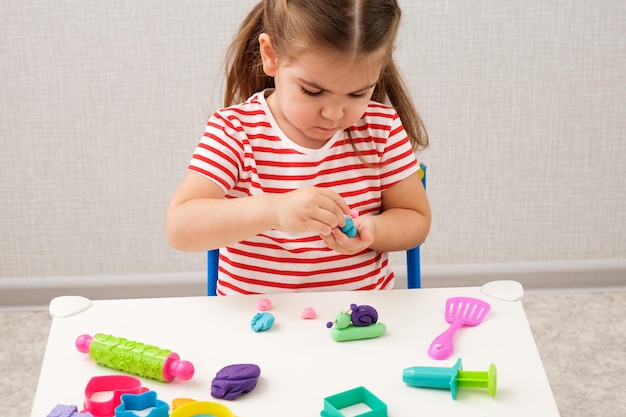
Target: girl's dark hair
<point>351,27</point>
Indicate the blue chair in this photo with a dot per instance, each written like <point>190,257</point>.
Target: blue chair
<point>413,273</point>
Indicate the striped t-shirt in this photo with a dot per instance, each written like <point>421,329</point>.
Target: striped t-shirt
<point>244,152</point>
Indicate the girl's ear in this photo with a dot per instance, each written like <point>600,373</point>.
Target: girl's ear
<point>268,55</point>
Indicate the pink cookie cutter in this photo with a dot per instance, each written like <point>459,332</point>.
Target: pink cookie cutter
<point>118,385</point>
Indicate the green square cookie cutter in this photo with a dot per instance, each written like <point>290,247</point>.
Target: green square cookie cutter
<point>359,395</point>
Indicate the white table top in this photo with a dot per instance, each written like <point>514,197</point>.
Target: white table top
<point>300,363</point>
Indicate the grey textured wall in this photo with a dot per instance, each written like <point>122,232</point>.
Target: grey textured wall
<point>102,103</point>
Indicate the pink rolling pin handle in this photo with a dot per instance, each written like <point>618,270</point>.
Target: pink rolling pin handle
<point>175,368</point>
<point>83,342</point>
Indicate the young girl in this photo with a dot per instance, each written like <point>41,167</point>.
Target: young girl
<point>302,141</point>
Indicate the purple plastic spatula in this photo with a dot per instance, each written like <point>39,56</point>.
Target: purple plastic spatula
<point>460,311</point>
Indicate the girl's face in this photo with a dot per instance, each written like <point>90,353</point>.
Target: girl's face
<point>318,94</point>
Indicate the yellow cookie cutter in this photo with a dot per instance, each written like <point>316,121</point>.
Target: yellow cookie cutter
<point>194,408</point>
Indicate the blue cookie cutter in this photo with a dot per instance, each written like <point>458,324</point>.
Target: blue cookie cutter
<point>139,402</point>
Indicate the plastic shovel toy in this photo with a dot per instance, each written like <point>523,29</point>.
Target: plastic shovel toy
<point>460,311</point>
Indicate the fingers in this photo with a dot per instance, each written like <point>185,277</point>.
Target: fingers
<point>339,202</point>
<point>329,214</point>
<point>311,209</point>
<point>332,203</point>
<point>341,243</point>
<point>326,207</point>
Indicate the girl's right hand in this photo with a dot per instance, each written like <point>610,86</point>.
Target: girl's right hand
<point>311,209</point>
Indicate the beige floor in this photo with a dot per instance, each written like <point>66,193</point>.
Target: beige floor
<point>581,338</point>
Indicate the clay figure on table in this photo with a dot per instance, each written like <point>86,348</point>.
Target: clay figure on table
<point>359,322</point>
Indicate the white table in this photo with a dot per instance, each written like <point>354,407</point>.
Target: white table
<point>300,363</point>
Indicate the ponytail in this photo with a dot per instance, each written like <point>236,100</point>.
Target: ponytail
<point>392,89</point>
<point>244,68</point>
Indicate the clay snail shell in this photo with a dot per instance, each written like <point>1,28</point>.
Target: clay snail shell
<point>363,315</point>
<point>360,316</point>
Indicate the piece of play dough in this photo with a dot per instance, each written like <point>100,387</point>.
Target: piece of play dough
<point>234,380</point>
<point>357,333</point>
<point>262,321</point>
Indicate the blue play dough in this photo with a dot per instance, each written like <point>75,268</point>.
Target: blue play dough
<point>349,228</point>
<point>262,321</point>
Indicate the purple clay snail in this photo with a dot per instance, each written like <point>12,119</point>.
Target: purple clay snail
<point>360,316</point>
<point>363,315</point>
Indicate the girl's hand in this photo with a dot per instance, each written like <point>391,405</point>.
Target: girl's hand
<point>310,209</point>
<point>338,241</point>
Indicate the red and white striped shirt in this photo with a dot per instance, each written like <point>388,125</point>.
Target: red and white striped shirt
<point>244,152</point>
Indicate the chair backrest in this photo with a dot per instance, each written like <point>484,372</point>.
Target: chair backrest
<point>413,273</point>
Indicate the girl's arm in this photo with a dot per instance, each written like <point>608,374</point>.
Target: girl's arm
<point>199,218</point>
<point>405,218</point>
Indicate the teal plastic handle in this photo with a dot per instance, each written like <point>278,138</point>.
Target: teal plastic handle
<point>451,378</point>
<point>433,377</point>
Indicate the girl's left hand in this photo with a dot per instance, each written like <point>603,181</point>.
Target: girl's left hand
<point>338,241</point>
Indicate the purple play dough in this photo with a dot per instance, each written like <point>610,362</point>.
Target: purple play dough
<point>233,380</point>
